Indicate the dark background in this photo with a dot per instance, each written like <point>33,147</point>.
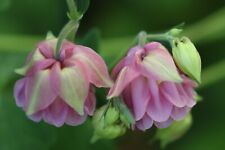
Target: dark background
<point>24,22</point>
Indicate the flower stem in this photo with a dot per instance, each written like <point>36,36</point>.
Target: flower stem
<point>141,39</point>
<point>160,37</point>
<point>71,26</point>
<point>72,8</point>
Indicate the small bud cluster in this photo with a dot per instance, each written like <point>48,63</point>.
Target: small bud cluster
<point>107,123</point>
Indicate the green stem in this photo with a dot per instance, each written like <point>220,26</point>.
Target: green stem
<point>72,25</point>
<point>70,28</point>
<point>73,12</point>
<point>72,6</point>
<point>141,40</point>
<point>160,37</point>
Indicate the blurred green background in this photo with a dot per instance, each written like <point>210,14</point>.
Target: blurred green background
<point>24,22</point>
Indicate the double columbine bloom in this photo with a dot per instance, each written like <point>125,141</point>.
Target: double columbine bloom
<point>153,88</point>
<point>157,91</point>
<point>60,90</point>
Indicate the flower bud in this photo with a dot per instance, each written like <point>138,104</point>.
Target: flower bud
<point>112,115</point>
<point>187,58</point>
<point>107,126</point>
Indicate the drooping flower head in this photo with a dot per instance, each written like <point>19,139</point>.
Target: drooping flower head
<point>60,90</point>
<point>153,88</point>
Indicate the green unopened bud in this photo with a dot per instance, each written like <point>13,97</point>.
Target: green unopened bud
<point>187,58</point>
<point>111,116</point>
<point>98,118</point>
<point>174,132</point>
<point>111,132</point>
<point>107,125</point>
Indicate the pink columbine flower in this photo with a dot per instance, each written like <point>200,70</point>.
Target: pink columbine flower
<point>152,87</point>
<point>60,90</point>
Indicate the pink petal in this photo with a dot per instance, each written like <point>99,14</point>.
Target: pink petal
<point>39,93</point>
<point>179,113</point>
<point>153,46</point>
<point>33,57</point>
<point>56,113</point>
<point>189,82</point>
<point>95,66</point>
<point>67,50</point>
<point>127,97</point>
<point>19,92</point>
<point>74,88</point>
<point>145,123</point>
<point>40,65</point>
<point>73,118</point>
<point>170,92</point>
<point>36,117</point>
<point>55,78</point>
<point>159,64</point>
<point>126,75</point>
<point>134,56</point>
<point>133,51</point>
<point>90,103</point>
<point>140,96</point>
<point>189,90</point>
<point>190,102</point>
<point>164,124</point>
<point>118,68</point>
<point>47,47</point>
<point>159,109</point>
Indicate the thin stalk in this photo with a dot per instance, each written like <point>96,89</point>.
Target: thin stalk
<point>72,25</point>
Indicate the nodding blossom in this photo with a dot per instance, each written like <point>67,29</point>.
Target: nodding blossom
<point>60,90</point>
<point>152,86</point>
